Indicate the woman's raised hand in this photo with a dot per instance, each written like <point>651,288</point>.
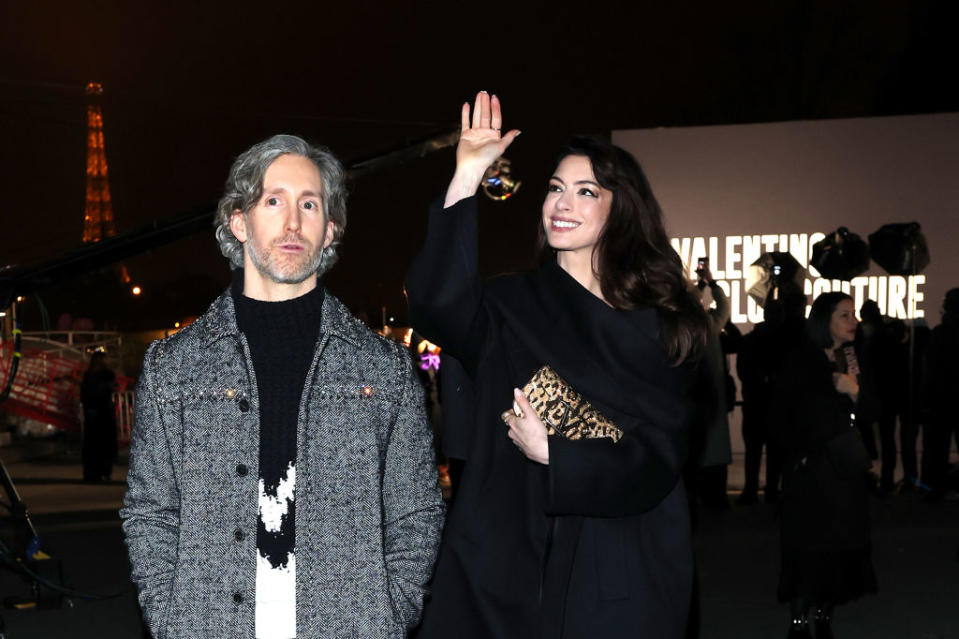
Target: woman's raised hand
<point>480,144</point>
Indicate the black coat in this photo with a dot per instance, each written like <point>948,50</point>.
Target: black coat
<point>825,520</point>
<point>596,543</point>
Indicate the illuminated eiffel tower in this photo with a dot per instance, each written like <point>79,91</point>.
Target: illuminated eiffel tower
<point>98,212</point>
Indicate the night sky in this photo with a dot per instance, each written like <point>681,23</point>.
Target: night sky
<point>189,86</point>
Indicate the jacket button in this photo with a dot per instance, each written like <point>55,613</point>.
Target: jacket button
<point>244,405</point>
<point>239,535</point>
<point>238,597</point>
<point>242,470</point>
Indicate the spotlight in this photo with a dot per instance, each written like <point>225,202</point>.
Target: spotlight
<point>841,255</point>
<point>498,184</point>
<point>900,249</point>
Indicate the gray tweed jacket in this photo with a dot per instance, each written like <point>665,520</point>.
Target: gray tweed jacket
<point>368,510</point>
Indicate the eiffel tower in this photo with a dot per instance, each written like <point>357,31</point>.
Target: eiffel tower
<point>98,212</point>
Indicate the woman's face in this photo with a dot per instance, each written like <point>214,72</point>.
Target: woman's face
<point>843,322</point>
<point>576,207</point>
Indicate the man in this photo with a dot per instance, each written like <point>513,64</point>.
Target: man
<point>282,481</point>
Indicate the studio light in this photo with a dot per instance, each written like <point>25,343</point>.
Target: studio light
<point>900,248</point>
<point>841,255</point>
<point>770,273</point>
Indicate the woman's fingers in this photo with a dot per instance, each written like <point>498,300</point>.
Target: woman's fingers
<point>485,112</point>
<point>496,113</point>
<point>519,397</point>
<point>487,116</point>
<point>507,139</point>
<point>477,107</point>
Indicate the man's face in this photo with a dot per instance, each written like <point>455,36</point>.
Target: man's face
<point>286,231</point>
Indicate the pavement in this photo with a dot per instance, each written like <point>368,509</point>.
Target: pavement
<point>915,550</point>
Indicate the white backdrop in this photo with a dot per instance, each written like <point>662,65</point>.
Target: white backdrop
<point>730,191</point>
<point>734,191</point>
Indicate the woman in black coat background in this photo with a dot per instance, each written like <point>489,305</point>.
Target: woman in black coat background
<point>825,521</point>
<point>552,537</point>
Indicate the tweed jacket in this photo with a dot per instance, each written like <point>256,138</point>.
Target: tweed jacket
<point>368,510</point>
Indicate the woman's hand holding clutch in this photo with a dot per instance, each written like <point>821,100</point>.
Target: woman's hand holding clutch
<point>527,430</point>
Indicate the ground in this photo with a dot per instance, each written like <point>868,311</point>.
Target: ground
<point>915,544</point>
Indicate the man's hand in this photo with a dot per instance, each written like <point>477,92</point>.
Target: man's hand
<point>481,143</point>
<point>527,430</point>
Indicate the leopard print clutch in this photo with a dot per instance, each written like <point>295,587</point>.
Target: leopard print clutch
<point>564,411</point>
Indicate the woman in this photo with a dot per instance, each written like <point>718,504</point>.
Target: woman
<point>825,521</point>
<point>549,536</point>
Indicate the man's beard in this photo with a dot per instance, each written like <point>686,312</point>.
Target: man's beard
<point>285,268</point>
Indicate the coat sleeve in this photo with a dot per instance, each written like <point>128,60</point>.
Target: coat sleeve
<point>151,519</point>
<point>600,478</point>
<point>443,286</point>
<point>719,315</point>
<point>412,503</point>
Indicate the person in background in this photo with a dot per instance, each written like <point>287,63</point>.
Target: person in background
<point>941,383</point>
<point>459,410</point>
<point>759,364</point>
<point>825,531</point>
<point>711,451</point>
<point>892,377</point>
<point>99,419</point>
<point>869,337</point>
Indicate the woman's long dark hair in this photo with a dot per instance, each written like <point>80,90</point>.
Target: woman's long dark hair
<point>817,324</point>
<point>636,265</point>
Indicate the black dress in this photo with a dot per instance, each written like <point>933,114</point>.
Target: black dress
<point>596,543</point>
<point>826,552</point>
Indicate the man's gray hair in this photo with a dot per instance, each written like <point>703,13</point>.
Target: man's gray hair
<point>244,187</point>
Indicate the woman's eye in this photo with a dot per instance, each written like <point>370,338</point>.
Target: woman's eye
<point>554,188</point>
<point>587,192</point>
<point>309,206</point>
<point>272,201</point>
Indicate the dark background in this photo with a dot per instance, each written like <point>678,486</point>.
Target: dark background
<point>188,86</point>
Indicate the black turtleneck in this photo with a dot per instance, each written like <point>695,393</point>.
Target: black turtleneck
<point>281,337</point>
